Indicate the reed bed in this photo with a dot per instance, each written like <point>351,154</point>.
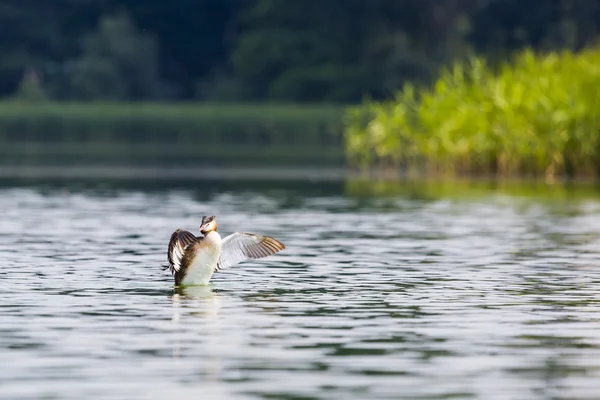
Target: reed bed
<point>535,115</point>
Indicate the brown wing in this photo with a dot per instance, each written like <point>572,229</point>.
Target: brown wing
<point>180,240</point>
<point>188,257</point>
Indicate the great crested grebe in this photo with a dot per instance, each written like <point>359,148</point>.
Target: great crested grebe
<point>193,260</point>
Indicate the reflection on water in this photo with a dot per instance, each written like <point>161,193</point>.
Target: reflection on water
<point>391,297</point>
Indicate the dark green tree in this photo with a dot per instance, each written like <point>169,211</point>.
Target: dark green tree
<point>118,62</point>
<point>340,51</point>
<point>309,50</point>
<point>30,89</point>
<point>194,38</point>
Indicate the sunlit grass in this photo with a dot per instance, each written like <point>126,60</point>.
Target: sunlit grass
<point>537,115</point>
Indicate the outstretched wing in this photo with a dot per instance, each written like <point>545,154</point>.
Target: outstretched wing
<point>180,240</point>
<point>240,246</point>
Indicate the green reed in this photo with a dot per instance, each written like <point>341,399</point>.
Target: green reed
<point>537,115</point>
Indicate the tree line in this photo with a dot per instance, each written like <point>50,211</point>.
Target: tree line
<point>257,50</point>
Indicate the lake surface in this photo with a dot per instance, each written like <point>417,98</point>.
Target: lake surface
<point>492,297</point>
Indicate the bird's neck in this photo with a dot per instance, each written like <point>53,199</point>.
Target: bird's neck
<point>213,237</point>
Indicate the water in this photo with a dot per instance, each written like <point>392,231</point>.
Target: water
<point>494,297</point>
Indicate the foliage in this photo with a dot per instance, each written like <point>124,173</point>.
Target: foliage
<point>182,133</point>
<point>269,49</point>
<point>30,89</point>
<point>538,115</point>
<point>338,51</point>
<point>118,63</point>
<point>164,154</point>
<point>190,36</point>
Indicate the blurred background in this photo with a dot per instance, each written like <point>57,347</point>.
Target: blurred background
<point>418,158</point>
<point>268,82</point>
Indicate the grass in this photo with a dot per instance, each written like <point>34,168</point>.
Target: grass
<point>98,153</point>
<point>536,115</point>
<point>188,133</point>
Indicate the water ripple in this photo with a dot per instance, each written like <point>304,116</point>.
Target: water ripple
<point>492,299</point>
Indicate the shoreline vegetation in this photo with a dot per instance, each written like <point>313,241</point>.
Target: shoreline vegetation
<point>537,115</point>
<point>170,134</point>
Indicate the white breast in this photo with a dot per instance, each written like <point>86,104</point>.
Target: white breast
<point>205,262</point>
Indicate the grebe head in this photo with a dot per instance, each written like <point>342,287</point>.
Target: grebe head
<point>208,224</point>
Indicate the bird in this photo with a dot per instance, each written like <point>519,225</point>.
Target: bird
<point>193,260</point>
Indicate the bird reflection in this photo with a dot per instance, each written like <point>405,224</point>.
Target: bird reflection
<point>195,292</point>
<point>200,335</point>
<point>200,301</point>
